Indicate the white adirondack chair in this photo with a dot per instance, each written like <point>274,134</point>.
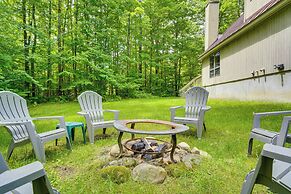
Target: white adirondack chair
<point>274,166</point>
<point>264,135</point>
<point>196,99</point>
<point>91,106</point>
<point>15,117</point>
<point>29,179</point>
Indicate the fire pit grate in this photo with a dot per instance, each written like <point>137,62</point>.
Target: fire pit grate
<point>148,146</point>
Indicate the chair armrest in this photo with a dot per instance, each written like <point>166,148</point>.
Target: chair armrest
<point>257,116</point>
<point>173,111</point>
<point>12,179</point>
<point>87,117</point>
<point>116,113</point>
<point>60,118</point>
<point>206,108</point>
<point>176,107</point>
<point>261,114</point>
<point>277,152</point>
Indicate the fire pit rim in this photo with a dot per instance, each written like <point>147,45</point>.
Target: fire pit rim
<point>120,125</point>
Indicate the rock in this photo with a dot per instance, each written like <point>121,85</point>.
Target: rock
<point>105,159</point>
<point>167,159</point>
<point>184,146</point>
<point>128,153</point>
<point>205,154</point>
<point>191,159</point>
<point>181,152</point>
<point>114,151</point>
<point>195,151</point>
<point>127,162</point>
<point>116,174</point>
<point>148,173</point>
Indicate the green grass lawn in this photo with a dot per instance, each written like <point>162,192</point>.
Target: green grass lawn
<point>228,126</point>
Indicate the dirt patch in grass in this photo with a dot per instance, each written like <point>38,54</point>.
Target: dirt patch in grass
<point>102,136</point>
<point>65,171</point>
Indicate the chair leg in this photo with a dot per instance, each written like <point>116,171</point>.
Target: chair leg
<point>68,143</point>
<point>199,130</point>
<point>84,134</point>
<point>104,131</point>
<point>248,184</point>
<point>42,185</point>
<point>204,126</point>
<point>91,134</point>
<point>250,147</point>
<point>10,149</point>
<point>73,134</point>
<point>38,148</point>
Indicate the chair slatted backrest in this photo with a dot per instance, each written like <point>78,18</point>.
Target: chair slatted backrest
<point>13,108</point>
<point>196,98</point>
<point>91,103</point>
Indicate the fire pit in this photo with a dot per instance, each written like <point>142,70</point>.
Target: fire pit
<point>121,126</point>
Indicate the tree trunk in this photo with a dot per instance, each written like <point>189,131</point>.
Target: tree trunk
<point>25,43</point>
<point>75,49</point>
<point>128,44</point>
<point>59,38</point>
<point>32,64</point>
<point>49,50</point>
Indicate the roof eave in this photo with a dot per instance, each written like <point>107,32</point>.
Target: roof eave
<point>264,16</point>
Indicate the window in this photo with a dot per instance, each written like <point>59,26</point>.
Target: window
<point>214,65</point>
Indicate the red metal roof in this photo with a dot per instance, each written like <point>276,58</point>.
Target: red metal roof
<point>241,23</point>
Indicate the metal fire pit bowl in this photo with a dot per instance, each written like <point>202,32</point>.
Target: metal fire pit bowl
<point>173,130</point>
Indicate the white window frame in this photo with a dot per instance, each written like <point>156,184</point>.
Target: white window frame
<point>214,65</point>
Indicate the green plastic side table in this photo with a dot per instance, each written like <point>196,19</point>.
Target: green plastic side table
<point>71,130</point>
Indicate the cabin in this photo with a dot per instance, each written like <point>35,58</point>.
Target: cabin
<point>251,60</point>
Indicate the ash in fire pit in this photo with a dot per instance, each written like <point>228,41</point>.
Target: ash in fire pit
<point>149,148</point>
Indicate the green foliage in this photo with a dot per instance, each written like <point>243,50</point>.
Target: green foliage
<point>116,174</point>
<point>230,10</point>
<point>56,49</point>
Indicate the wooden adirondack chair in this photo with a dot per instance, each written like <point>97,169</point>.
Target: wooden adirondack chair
<point>264,135</point>
<point>91,106</point>
<point>24,180</point>
<point>196,99</point>
<point>15,117</point>
<point>274,166</point>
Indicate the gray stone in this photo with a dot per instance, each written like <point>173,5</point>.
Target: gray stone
<point>191,159</point>
<point>127,162</point>
<point>195,151</point>
<point>148,173</point>
<point>167,160</point>
<point>181,152</point>
<point>105,159</point>
<point>184,146</point>
<point>114,151</point>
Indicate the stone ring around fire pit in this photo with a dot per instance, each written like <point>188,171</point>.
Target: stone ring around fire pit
<point>121,126</point>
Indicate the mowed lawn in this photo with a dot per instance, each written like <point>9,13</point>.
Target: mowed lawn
<point>226,139</point>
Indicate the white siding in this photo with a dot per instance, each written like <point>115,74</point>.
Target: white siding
<point>264,46</point>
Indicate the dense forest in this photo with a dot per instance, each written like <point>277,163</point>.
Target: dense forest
<point>55,49</point>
